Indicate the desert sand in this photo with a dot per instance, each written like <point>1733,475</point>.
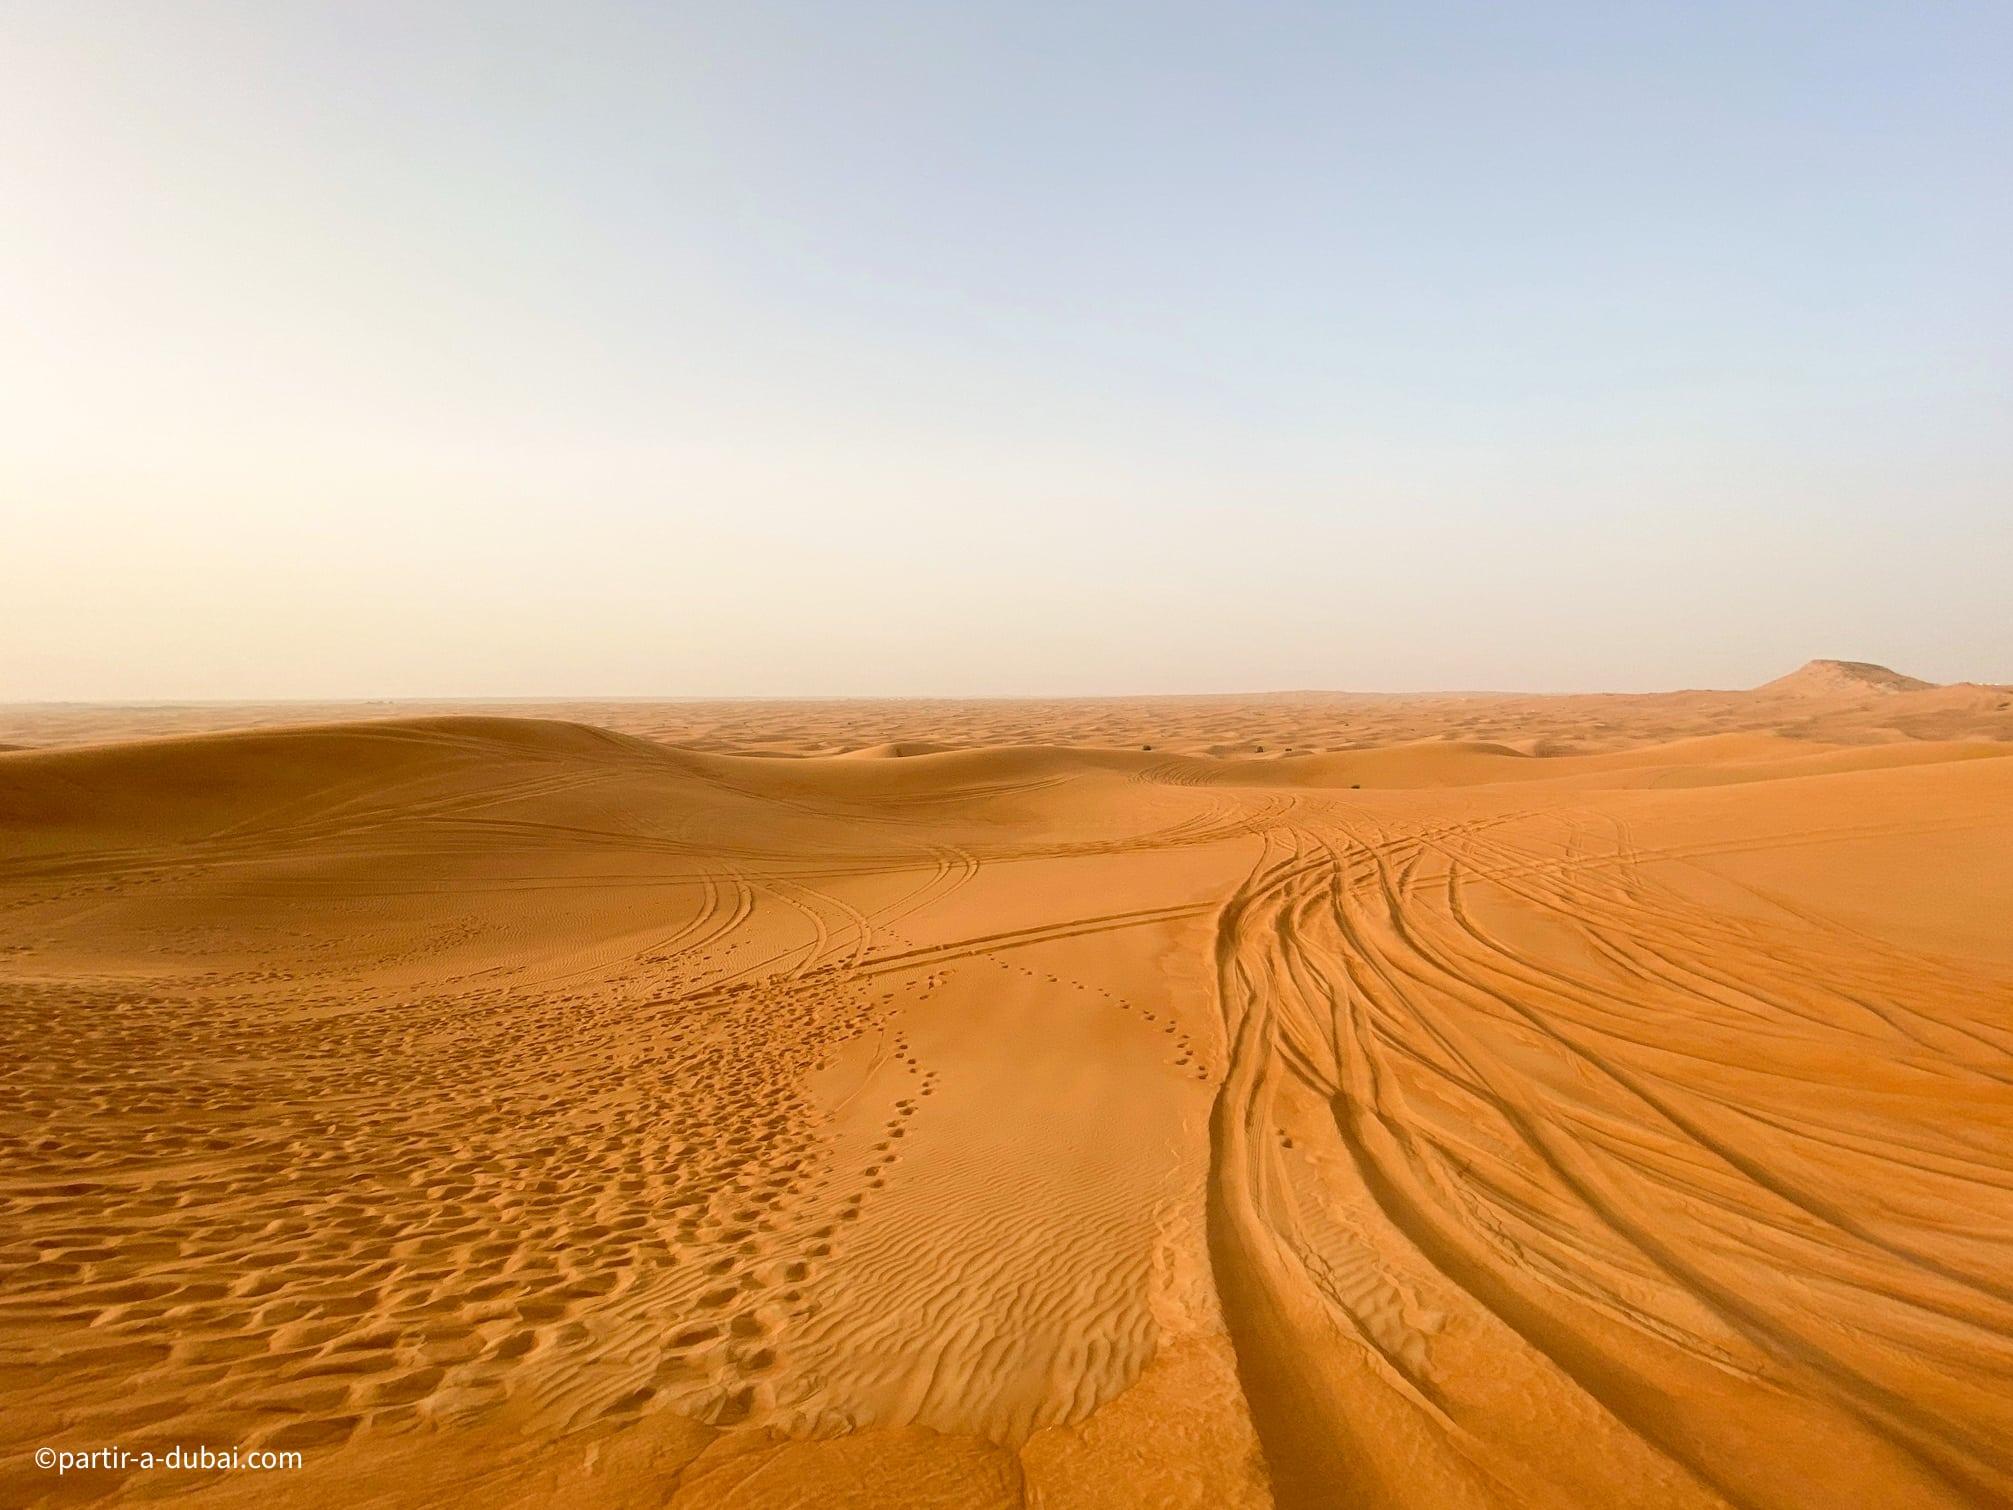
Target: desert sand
<point>1303,1099</point>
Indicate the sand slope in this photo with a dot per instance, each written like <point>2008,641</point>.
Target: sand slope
<point>515,1109</point>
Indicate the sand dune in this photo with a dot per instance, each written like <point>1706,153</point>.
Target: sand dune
<point>1831,679</point>
<point>1429,1102</point>
<point>1845,702</point>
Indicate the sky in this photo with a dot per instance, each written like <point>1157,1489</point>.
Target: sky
<point>372,349</point>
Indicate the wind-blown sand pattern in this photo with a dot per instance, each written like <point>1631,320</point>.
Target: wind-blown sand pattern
<point>879,1104</point>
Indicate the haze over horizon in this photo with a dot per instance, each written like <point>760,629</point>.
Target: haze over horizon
<point>554,703</point>
<point>782,350</point>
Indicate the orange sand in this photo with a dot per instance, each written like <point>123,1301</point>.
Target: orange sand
<point>1347,1101</point>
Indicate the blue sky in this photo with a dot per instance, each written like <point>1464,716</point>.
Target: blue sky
<point>372,349</point>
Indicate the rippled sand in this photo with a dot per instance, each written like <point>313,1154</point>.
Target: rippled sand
<point>1427,1102</point>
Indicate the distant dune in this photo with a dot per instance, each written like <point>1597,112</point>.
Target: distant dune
<point>1843,678</point>
<point>1303,1100</point>
<point>1832,701</point>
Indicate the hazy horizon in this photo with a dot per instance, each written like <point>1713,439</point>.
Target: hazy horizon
<point>359,352</point>
<point>1035,694</point>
